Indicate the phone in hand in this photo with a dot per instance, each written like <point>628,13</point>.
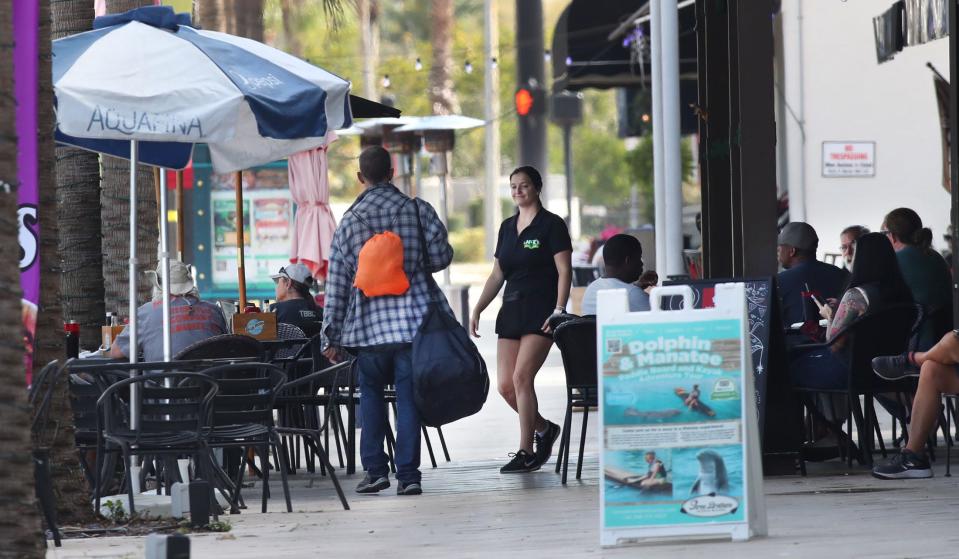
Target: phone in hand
<point>814,300</point>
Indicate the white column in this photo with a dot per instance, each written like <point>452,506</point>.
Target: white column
<point>444,204</point>
<point>493,213</point>
<point>132,270</point>
<point>793,98</point>
<point>672,156</point>
<point>659,200</point>
<point>165,270</point>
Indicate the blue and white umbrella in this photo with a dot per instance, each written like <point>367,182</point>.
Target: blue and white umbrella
<point>147,75</point>
<point>146,86</point>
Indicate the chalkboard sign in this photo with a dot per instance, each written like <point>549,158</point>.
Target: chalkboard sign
<point>759,306</point>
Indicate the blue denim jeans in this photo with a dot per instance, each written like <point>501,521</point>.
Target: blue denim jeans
<point>377,369</point>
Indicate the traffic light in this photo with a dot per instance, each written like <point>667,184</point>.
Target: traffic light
<point>530,101</point>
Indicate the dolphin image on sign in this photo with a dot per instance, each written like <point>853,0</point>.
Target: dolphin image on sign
<point>712,479</point>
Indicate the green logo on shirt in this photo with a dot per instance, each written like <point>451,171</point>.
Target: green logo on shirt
<point>531,244</point>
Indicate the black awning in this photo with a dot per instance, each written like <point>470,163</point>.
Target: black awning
<point>364,108</point>
<point>585,55</point>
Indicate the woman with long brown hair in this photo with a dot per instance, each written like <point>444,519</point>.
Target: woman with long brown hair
<point>533,258</point>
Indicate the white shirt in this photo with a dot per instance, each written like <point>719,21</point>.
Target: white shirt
<point>638,299</point>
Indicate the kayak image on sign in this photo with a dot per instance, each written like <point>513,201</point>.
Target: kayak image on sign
<point>691,400</point>
<point>670,401</point>
<point>638,476</point>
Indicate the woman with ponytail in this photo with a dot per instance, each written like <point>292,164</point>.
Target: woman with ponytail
<point>924,270</point>
<point>294,302</point>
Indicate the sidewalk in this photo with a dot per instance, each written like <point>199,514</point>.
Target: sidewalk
<point>469,509</point>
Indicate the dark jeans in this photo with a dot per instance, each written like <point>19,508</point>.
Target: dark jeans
<point>818,368</point>
<point>377,369</point>
<point>821,368</point>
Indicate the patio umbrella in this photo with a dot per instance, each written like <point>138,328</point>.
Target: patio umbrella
<point>145,77</point>
<point>315,224</point>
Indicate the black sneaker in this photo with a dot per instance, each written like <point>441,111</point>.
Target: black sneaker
<point>522,462</point>
<point>894,367</point>
<point>905,465</point>
<point>544,442</point>
<point>373,485</point>
<point>412,488</point>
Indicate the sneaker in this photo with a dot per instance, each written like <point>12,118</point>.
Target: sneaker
<point>412,488</point>
<point>544,442</point>
<point>373,485</point>
<point>522,462</point>
<point>905,465</point>
<point>894,367</point>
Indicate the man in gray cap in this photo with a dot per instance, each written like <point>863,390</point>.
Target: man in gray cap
<point>803,276</point>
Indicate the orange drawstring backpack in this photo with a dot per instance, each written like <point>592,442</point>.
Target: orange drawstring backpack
<point>379,266</point>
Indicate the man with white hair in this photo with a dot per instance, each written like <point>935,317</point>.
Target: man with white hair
<point>191,319</point>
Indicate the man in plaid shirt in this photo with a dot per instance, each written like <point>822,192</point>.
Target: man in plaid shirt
<point>380,330</point>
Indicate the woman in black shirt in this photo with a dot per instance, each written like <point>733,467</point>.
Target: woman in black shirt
<point>294,302</point>
<point>533,257</point>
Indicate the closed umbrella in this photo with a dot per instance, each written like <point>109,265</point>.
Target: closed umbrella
<point>315,224</point>
<point>145,78</point>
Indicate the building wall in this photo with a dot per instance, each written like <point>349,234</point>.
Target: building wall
<point>832,89</point>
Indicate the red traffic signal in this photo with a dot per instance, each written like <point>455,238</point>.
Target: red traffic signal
<point>524,101</point>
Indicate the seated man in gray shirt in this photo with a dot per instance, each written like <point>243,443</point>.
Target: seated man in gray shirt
<point>191,319</point>
<point>623,255</point>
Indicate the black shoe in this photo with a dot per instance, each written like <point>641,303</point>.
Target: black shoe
<point>905,465</point>
<point>894,367</point>
<point>373,485</point>
<point>412,488</point>
<point>522,462</point>
<point>544,443</point>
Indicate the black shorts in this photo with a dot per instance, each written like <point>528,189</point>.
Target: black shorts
<point>522,315</point>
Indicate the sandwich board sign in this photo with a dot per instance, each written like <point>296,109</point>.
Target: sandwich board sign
<point>680,449</point>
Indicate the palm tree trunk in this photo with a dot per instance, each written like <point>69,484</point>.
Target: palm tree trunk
<point>209,14</point>
<point>72,206</point>
<point>78,199</point>
<point>249,19</point>
<point>442,96</point>
<point>19,518</point>
<point>115,212</point>
<point>291,42</point>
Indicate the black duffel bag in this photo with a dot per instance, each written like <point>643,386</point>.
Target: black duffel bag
<point>450,380</point>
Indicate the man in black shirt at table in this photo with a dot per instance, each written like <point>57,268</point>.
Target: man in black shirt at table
<point>804,276</point>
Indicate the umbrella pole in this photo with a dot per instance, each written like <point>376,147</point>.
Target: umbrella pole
<point>132,326</point>
<point>444,209</point>
<point>180,240</point>
<point>165,271</point>
<point>240,266</point>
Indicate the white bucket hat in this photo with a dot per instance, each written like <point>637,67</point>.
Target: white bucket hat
<point>181,278</point>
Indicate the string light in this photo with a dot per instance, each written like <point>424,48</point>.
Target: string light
<point>386,81</point>
<point>548,55</point>
<point>418,65</point>
<point>468,67</point>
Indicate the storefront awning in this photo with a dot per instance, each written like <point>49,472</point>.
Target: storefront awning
<point>908,23</point>
<point>604,44</point>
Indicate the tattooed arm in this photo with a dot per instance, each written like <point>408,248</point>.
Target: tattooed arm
<point>852,306</point>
